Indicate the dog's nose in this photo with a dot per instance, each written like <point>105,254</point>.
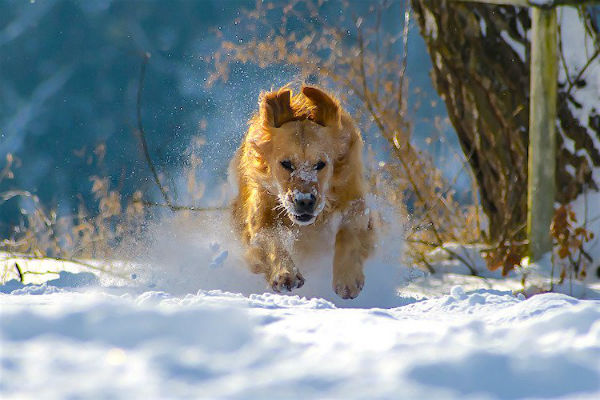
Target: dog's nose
<point>304,203</point>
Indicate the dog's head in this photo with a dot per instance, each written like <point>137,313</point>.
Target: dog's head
<point>299,139</point>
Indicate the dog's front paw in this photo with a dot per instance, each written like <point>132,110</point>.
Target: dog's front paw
<point>286,279</point>
<point>348,286</point>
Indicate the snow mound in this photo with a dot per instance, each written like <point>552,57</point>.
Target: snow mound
<point>213,344</point>
<point>184,254</point>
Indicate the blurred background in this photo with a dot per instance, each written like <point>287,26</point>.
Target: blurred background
<point>97,95</point>
<point>70,72</point>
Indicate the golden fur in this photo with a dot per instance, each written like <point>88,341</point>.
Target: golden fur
<point>302,151</point>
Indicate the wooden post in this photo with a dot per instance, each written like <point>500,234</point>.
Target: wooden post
<point>542,133</point>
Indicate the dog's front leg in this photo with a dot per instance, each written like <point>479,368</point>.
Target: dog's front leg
<point>270,257</point>
<point>282,273</point>
<point>353,244</point>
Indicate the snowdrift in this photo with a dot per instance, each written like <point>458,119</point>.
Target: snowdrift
<point>60,342</point>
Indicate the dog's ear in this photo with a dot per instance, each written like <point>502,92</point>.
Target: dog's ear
<point>275,108</point>
<point>327,109</point>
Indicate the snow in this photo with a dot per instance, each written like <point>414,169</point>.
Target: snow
<point>483,26</point>
<point>188,320</point>
<point>190,253</point>
<point>578,48</point>
<point>430,24</point>
<point>305,172</point>
<point>542,3</point>
<point>519,48</point>
<point>112,343</point>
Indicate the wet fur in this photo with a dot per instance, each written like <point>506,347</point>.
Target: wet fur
<point>307,127</point>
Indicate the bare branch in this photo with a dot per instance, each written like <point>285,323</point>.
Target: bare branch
<point>404,56</point>
<point>176,207</point>
<point>581,72</point>
<point>19,272</point>
<point>141,134</point>
<point>562,57</point>
<point>70,260</point>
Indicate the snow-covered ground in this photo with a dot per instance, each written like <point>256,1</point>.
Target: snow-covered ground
<point>158,329</point>
<point>90,342</point>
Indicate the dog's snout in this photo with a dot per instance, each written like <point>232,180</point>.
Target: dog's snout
<point>304,202</point>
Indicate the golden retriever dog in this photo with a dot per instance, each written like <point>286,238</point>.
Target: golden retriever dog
<point>299,172</point>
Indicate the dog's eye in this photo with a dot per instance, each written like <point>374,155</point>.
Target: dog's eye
<point>287,164</point>
<point>320,165</point>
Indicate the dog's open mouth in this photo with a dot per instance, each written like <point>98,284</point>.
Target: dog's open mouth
<point>303,217</point>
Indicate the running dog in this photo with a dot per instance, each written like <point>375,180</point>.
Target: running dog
<point>298,170</point>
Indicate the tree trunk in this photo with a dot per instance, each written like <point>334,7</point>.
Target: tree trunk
<point>480,58</point>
